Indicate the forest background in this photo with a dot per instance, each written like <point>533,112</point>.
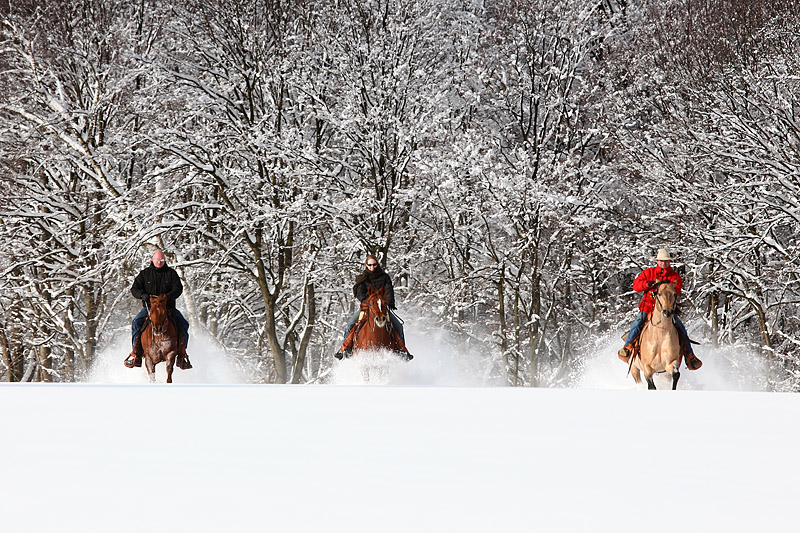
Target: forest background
<point>513,164</point>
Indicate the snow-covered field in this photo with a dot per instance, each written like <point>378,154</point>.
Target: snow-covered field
<point>433,447</point>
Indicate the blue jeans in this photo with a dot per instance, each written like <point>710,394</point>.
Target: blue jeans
<point>351,322</point>
<point>638,324</point>
<point>138,320</point>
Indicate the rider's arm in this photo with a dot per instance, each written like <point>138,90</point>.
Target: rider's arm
<point>678,283</point>
<point>640,284</point>
<point>175,287</point>
<point>390,292</point>
<point>137,289</point>
<point>361,291</point>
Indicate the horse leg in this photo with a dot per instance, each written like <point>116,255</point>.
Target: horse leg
<point>648,375</point>
<point>170,365</point>
<point>151,369</point>
<point>676,375</point>
<point>637,377</point>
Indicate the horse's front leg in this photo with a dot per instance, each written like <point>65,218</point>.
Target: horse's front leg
<point>648,376</point>
<point>170,361</point>
<point>151,369</point>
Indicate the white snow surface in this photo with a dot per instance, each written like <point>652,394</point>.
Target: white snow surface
<point>432,445</point>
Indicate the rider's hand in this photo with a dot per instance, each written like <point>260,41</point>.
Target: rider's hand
<point>146,299</point>
<point>650,284</point>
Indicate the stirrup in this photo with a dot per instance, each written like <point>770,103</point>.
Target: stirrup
<point>130,360</point>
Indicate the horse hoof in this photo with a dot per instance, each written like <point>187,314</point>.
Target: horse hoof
<point>339,355</point>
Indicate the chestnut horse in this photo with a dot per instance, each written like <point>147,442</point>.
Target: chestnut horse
<point>659,346</point>
<point>374,328</point>
<point>159,338</point>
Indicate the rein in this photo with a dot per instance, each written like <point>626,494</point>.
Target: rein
<point>657,299</point>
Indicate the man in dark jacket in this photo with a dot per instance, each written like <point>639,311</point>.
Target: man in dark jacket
<point>155,280</point>
<point>373,276</point>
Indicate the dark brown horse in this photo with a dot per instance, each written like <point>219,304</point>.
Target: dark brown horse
<point>374,328</point>
<point>159,338</point>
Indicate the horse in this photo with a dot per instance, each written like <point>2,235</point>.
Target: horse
<point>159,338</point>
<point>659,346</point>
<point>374,328</point>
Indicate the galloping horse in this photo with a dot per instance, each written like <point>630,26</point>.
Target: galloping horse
<point>374,328</point>
<point>659,346</point>
<point>159,338</point>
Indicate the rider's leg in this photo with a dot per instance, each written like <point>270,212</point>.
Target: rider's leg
<point>183,327</point>
<point>634,332</point>
<point>398,326</point>
<point>135,357</point>
<point>351,322</point>
<point>692,361</point>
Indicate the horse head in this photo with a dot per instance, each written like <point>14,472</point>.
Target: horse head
<point>666,299</point>
<point>378,307</point>
<point>158,314</point>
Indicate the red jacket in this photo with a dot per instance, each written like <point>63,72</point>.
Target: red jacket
<point>654,274</point>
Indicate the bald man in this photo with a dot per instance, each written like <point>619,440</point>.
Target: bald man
<point>155,280</point>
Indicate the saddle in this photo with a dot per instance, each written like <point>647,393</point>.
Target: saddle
<point>683,342</point>
<point>347,345</point>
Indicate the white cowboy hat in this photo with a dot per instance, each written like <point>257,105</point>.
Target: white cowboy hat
<point>663,255</point>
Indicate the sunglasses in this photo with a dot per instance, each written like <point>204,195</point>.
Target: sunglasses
<point>372,265</point>
<point>159,260</point>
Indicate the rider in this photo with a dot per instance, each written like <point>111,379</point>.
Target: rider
<point>643,283</point>
<point>372,276</point>
<point>155,280</point>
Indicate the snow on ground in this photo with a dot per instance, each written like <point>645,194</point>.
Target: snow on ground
<point>430,445</point>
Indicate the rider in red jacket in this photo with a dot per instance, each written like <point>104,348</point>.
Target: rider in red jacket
<point>643,283</point>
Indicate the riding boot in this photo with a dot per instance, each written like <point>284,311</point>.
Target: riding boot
<point>347,352</point>
<point>625,353</point>
<point>183,359</point>
<point>405,355</point>
<point>692,361</point>
<point>134,359</point>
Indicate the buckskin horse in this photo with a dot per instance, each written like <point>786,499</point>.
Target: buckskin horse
<point>659,346</point>
<point>159,338</point>
<point>374,329</point>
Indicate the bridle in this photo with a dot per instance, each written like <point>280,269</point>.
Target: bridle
<point>153,328</point>
<point>664,311</point>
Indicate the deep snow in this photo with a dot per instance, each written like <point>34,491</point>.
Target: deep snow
<point>432,447</point>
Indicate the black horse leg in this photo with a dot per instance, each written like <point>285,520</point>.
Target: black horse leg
<point>675,377</point>
<point>650,384</point>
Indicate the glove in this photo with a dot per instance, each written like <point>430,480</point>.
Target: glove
<point>650,284</point>
<point>392,306</point>
<point>145,299</point>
